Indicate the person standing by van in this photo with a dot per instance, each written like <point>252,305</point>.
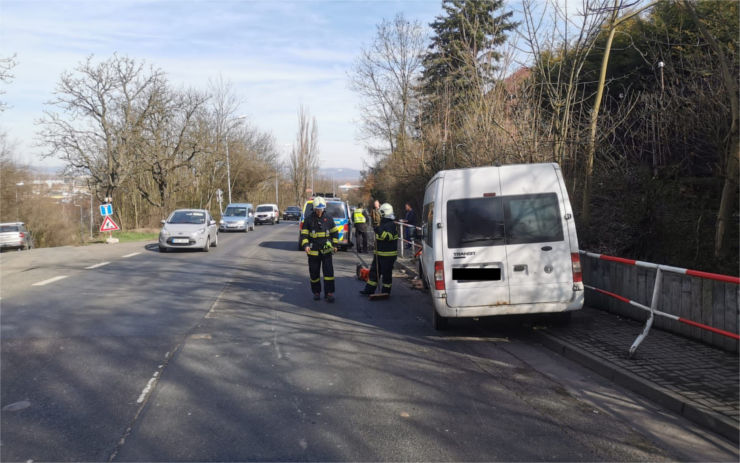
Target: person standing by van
<point>375,217</point>
<point>386,252</point>
<point>360,219</point>
<point>320,238</point>
<point>409,232</point>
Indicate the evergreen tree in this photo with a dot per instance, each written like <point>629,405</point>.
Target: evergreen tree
<point>462,55</point>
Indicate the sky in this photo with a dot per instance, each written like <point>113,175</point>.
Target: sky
<point>277,54</point>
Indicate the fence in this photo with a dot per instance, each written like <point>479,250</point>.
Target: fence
<point>694,304</point>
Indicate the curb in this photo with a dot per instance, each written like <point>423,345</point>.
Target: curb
<point>692,411</point>
<point>699,414</point>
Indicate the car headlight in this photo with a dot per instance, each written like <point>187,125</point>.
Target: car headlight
<point>164,232</point>
<point>202,231</point>
<point>221,222</point>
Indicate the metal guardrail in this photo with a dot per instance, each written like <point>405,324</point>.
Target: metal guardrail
<point>656,295</point>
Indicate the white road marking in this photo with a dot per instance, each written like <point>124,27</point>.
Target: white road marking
<point>96,265</point>
<point>131,255</point>
<point>50,280</point>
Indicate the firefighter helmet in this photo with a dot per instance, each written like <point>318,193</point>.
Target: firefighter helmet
<point>386,211</point>
<point>319,203</point>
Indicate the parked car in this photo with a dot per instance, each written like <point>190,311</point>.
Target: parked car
<point>337,210</point>
<point>500,240</point>
<point>292,213</point>
<point>267,213</point>
<point>188,228</point>
<point>237,217</point>
<point>15,235</point>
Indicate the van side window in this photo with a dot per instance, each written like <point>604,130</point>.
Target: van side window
<point>474,222</point>
<point>533,218</point>
<point>428,224</point>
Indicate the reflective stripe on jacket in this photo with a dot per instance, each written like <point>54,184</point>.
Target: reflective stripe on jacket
<point>320,234</point>
<point>386,239</point>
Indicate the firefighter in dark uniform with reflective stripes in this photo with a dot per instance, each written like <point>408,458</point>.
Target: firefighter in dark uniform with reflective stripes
<point>386,252</point>
<point>319,239</point>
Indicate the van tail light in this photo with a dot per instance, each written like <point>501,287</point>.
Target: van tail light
<point>575,259</point>
<point>22,235</point>
<point>439,275</point>
<point>346,228</point>
<point>300,226</point>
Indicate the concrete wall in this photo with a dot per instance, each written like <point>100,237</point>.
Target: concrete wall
<point>709,302</point>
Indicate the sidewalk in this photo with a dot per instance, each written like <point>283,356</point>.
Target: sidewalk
<point>699,382</point>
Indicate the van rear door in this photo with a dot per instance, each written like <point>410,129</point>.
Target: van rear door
<point>474,251</point>
<point>538,245</point>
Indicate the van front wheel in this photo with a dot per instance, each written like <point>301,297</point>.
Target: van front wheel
<point>438,321</point>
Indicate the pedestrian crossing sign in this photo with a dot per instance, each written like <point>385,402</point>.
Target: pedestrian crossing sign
<point>108,225</point>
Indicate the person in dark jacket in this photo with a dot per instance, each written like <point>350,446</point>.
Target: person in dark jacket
<point>386,252</point>
<point>408,232</point>
<point>320,237</point>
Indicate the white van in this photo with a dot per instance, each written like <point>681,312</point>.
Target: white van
<point>267,213</point>
<point>499,240</point>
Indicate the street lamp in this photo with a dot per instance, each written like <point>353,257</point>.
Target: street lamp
<point>228,163</point>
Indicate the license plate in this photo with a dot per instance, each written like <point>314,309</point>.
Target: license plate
<point>180,240</point>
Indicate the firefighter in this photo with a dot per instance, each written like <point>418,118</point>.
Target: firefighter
<point>320,238</point>
<point>360,219</point>
<point>386,252</point>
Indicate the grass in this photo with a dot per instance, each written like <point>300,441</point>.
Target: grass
<point>130,236</point>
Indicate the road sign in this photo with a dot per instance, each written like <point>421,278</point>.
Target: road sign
<point>106,209</point>
<point>108,225</point>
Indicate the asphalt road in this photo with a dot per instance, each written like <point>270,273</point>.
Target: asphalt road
<point>136,355</point>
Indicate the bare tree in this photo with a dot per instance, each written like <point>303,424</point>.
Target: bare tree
<point>104,108</point>
<point>732,145</point>
<point>6,75</point>
<point>384,76</point>
<point>304,156</point>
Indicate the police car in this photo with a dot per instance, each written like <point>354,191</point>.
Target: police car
<point>337,210</point>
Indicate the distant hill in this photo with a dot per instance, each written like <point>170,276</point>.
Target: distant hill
<point>351,175</point>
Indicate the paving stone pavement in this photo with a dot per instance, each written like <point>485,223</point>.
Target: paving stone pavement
<point>693,379</point>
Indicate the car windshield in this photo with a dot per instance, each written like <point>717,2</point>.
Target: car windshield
<point>334,209</point>
<point>264,208</point>
<point>293,209</point>
<point>8,228</point>
<point>190,217</point>
<point>235,212</point>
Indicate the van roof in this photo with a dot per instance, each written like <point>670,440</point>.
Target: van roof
<point>239,204</point>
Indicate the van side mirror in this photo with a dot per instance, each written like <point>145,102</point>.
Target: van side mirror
<point>162,221</point>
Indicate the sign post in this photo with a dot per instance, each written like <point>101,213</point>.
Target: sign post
<point>108,225</point>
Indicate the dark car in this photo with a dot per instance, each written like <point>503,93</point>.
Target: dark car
<point>292,213</point>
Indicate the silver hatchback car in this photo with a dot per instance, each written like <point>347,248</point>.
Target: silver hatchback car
<point>14,235</point>
<point>188,228</point>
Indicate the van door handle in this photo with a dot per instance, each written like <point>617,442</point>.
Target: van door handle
<point>520,268</point>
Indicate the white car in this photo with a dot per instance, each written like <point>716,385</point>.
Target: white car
<point>188,228</point>
<point>267,213</point>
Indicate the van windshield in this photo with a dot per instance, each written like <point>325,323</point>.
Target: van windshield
<point>8,228</point>
<point>235,212</point>
<point>494,221</point>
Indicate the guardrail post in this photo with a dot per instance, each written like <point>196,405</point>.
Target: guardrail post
<point>653,307</point>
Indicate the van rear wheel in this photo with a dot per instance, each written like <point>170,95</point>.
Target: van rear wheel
<point>438,321</point>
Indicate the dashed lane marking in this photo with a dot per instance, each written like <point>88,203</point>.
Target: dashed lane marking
<point>131,255</point>
<point>50,280</point>
<point>96,265</point>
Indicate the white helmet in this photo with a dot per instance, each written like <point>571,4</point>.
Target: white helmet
<point>319,203</point>
<point>386,211</point>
